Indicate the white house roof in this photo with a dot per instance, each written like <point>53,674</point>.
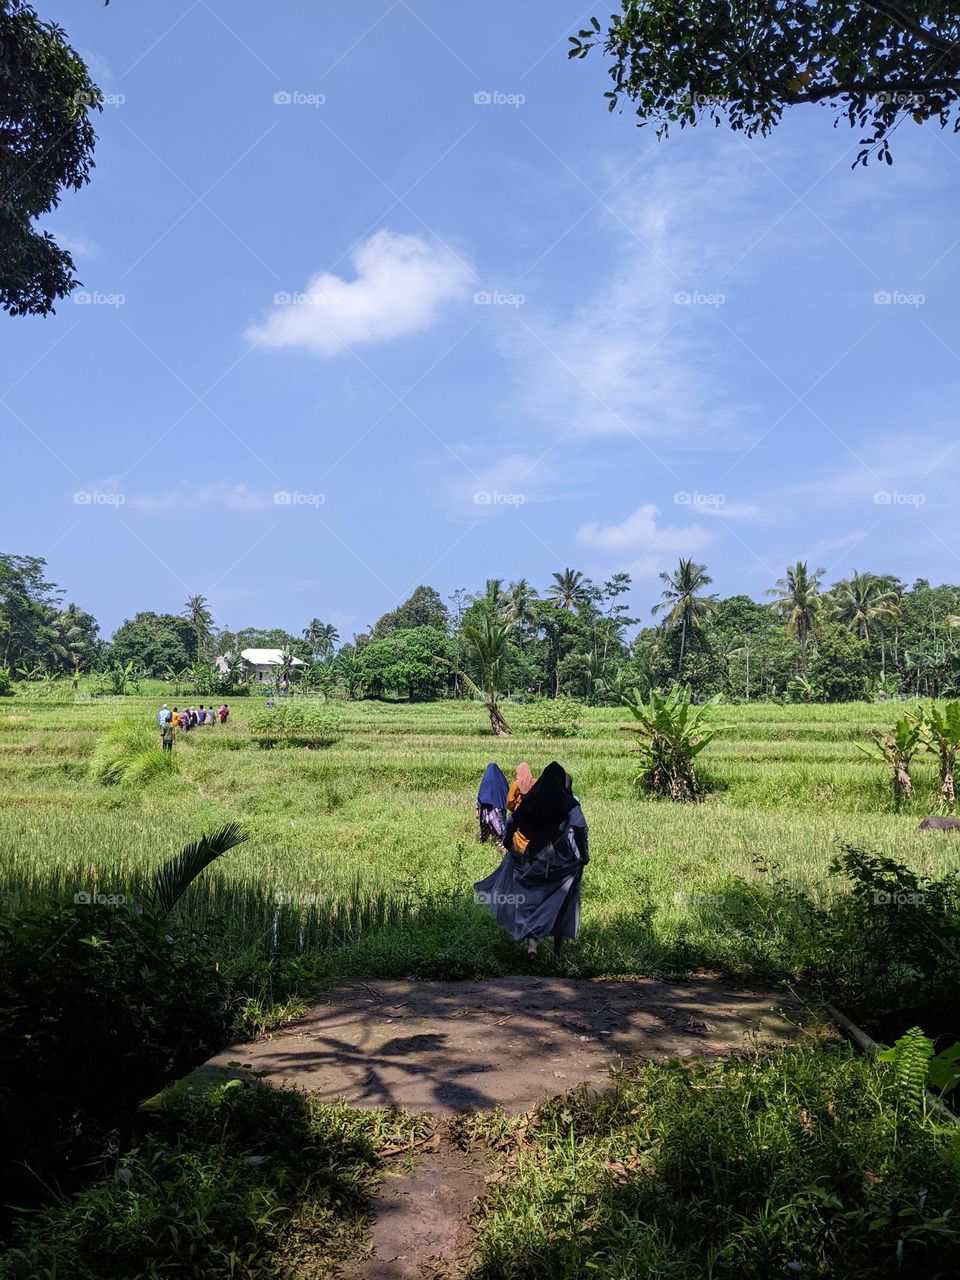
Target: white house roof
<point>267,658</point>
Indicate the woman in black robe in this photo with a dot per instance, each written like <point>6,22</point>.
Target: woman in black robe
<point>536,894</point>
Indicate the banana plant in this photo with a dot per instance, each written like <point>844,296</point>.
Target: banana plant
<point>896,750</point>
<point>673,731</point>
<point>941,735</point>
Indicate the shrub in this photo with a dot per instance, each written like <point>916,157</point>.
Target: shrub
<point>296,724</point>
<point>6,682</point>
<point>553,717</point>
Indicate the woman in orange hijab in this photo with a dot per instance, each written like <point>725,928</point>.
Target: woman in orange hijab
<point>518,789</point>
<point>520,786</point>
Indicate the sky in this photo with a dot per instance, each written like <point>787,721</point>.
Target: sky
<point>381,294</point>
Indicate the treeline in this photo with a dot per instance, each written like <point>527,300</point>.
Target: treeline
<point>866,636</point>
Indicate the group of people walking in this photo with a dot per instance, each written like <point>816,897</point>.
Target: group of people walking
<point>186,718</point>
<point>539,827</point>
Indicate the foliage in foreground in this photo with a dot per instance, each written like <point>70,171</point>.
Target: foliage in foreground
<point>810,1162</point>
<point>101,1001</point>
<point>672,731</point>
<point>743,64</point>
<point>234,1180</point>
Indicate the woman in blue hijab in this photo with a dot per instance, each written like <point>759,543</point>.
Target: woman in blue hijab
<point>536,894</point>
<point>492,806</point>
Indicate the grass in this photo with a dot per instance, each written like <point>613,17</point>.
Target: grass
<point>233,1180</point>
<point>806,1163</point>
<point>362,854</point>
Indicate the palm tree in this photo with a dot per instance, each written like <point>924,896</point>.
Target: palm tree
<point>521,605</point>
<point>488,639</point>
<point>570,589</point>
<point>798,601</point>
<point>864,599</point>
<point>197,612</point>
<point>686,608</point>
<point>322,637</point>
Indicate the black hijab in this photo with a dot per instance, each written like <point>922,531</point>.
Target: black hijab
<point>546,805</point>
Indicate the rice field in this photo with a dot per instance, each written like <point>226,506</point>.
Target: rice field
<point>369,845</point>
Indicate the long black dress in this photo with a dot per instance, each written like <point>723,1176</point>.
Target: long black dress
<point>537,894</point>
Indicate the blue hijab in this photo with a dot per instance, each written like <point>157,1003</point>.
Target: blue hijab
<point>493,787</point>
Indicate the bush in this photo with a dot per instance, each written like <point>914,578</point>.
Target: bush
<point>553,717</point>
<point>6,682</point>
<point>296,724</point>
<point>100,1002</point>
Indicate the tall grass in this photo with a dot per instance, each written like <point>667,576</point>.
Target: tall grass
<point>130,753</point>
<point>383,822</point>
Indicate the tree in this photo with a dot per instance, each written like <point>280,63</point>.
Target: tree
<point>873,61</point>
<point>686,609</point>
<point>570,589</point>
<point>423,609</point>
<point>837,668</point>
<point>75,644</point>
<point>28,605</point>
<point>798,601</point>
<point>409,663</point>
<point>197,612</point>
<point>896,749</point>
<point>671,734</point>
<point>322,637</point>
<point>488,639</point>
<point>941,735</point>
<point>155,642</point>
<point>46,147</point>
<point>861,601</point>
<point>521,607</point>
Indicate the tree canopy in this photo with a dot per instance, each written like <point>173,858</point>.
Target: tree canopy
<point>742,62</point>
<point>46,147</point>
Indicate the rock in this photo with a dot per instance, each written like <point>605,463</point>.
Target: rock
<point>935,822</point>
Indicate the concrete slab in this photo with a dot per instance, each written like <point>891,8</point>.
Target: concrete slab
<point>449,1047</point>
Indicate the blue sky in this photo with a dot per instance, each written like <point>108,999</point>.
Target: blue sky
<point>350,327</point>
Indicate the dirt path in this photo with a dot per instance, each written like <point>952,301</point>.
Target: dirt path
<point>445,1048</point>
<point>449,1047</point>
<point>420,1226</point>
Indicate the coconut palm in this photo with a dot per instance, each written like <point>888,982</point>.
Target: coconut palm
<point>570,589</point>
<point>865,599</point>
<point>197,613</point>
<point>488,639</point>
<point>322,637</point>
<point>686,609</point>
<point>521,605</point>
<point>798,601</point>
<point>173,879</point>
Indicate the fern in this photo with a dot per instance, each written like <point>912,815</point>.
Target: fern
<point>910,1058</point>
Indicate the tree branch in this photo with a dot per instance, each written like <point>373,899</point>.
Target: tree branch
<point>948,48</point>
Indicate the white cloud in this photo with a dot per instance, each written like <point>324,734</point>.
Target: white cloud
<point>649,352</point>
<point>730,510</point>
<point>76,245</point>
<point>639,532</point>
<point>222,495</point>
<point>400,284</point>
